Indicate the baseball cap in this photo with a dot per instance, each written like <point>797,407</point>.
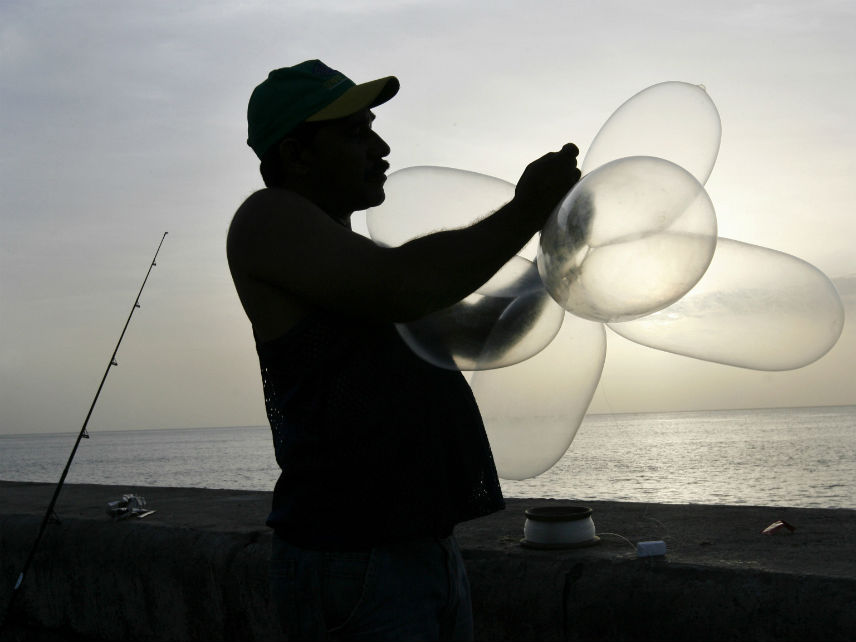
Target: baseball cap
<point>310,91</point>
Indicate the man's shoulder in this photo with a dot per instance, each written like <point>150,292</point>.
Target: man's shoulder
<point>274,200</point>
<point>272,211</point>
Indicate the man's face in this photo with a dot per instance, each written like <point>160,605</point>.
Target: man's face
<point>346,166</point>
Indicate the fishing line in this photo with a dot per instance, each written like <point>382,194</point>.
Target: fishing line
<point>50,515</point>
<point>631,544</point>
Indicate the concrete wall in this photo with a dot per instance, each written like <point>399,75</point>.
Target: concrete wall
<point>140,582</point>
<point>200,573</point>
<point>645,600</point>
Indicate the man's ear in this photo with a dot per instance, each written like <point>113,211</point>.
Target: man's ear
<point>295,157</point>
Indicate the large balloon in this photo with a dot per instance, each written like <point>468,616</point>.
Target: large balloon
<point>532,410</point>
<point>676,121</point>
<point>631,238</point>
<point>754,308</point>
<point>425,199</point>
<point>506,321</point>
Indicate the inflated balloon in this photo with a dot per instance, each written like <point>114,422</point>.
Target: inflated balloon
<point>754,308</point>
<point>676,121</point>
<point>532,410</point>
<point>631,238</point>
<point>506,321</point>
<point>425,199</point>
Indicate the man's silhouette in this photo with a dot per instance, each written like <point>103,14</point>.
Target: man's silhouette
<point>381,453</point>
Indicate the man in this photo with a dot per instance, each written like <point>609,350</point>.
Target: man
<point>381,453</point>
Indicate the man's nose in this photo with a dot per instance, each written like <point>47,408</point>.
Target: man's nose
<point>380,145</point>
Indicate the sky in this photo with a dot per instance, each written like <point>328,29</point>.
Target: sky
<point>120,121</point>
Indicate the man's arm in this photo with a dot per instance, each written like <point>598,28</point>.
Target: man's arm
<point>279,239</point>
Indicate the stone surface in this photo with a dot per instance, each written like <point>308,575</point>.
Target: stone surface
<point>196,569</point>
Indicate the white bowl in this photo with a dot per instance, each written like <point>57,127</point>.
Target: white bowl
<point>556,527</point>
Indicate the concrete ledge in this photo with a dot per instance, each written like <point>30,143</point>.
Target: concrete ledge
<point>196,570</point>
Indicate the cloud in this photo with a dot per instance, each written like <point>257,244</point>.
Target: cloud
<point>121,120</point>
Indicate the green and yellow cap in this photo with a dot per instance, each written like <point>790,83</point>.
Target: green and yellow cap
<point>307,92</point>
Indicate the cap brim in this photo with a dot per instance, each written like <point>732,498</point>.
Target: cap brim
<point>358,97</point>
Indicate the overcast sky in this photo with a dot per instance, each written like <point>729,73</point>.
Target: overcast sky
<point>120,121</point>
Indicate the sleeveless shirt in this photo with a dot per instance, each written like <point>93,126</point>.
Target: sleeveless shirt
<point>375,444</point>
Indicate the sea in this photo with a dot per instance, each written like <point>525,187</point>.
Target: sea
<point>801,457</point>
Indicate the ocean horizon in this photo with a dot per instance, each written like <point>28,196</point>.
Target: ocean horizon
<point>801,457</point>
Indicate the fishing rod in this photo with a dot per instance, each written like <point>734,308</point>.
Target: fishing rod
<point>49,513</point>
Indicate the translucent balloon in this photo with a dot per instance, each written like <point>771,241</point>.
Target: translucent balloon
<point>631,238</point>
<point>421,200</point>
<point>507,320</point>
<point>673,120</point>
<point>532,410</point>
<point>754,308</point>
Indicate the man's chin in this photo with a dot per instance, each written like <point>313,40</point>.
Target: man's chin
<point>375,197</point>
<point>369,196</point>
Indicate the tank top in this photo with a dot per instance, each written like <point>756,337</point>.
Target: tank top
<point>374,444</point>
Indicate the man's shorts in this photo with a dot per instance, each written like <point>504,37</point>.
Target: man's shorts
<point>416,590</point>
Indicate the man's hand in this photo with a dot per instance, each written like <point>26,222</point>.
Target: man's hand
<point>546,181</point>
